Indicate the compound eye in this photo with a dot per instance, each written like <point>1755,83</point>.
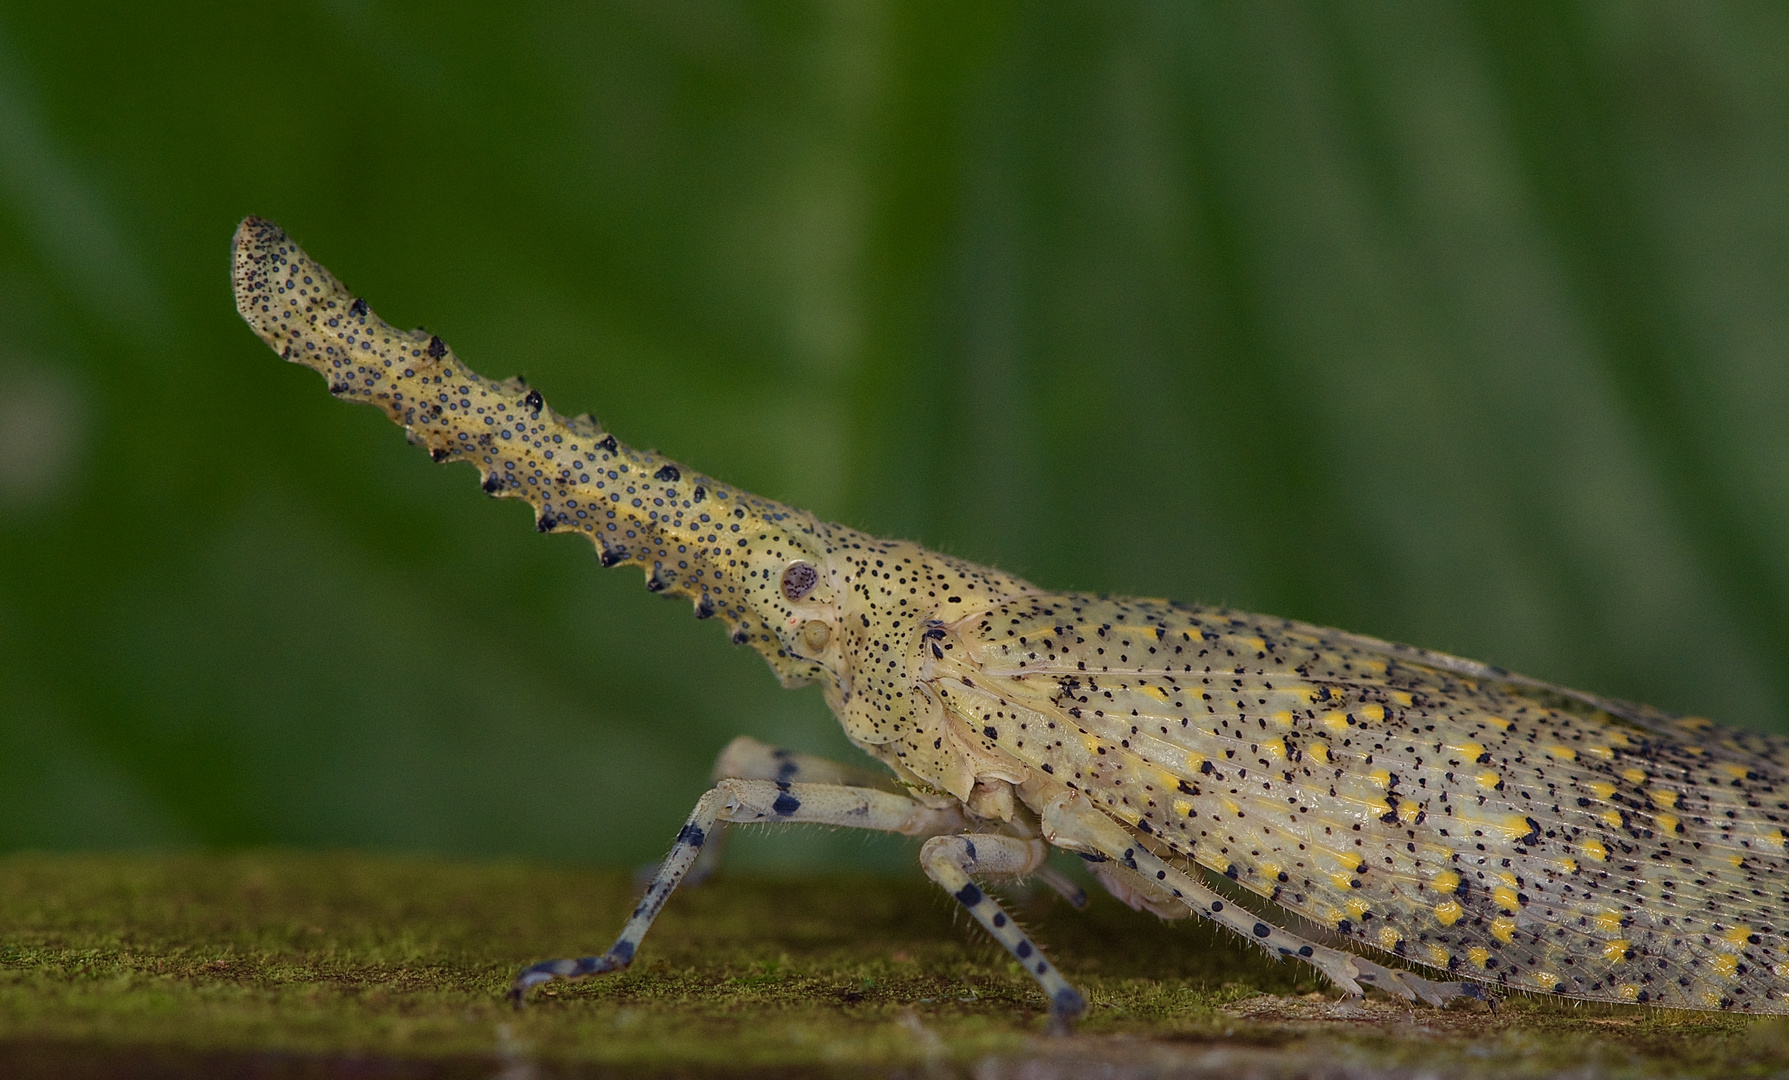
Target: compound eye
<point>799,580</point>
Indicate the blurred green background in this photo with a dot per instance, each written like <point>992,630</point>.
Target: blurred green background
<point>1462,325</point>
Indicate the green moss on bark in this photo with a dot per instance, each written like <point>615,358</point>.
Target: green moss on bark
<point>304,960</point>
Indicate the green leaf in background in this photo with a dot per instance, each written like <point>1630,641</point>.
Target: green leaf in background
<point>1463,325</point>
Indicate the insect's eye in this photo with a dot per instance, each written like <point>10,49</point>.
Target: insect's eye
<point>799,580</point>
<point>815,634</point>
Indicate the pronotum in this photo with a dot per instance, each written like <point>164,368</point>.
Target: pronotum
<point>1412,805</point>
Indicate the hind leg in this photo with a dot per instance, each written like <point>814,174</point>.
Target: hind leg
<point>1071,821</point>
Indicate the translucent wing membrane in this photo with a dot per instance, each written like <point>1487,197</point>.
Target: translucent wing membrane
<point>1502,829</point>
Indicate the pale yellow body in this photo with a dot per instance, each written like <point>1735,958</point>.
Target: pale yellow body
<point>1415,804</point>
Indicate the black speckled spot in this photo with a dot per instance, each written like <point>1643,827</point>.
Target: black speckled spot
<point>437,347</point>
<point>667,474</point>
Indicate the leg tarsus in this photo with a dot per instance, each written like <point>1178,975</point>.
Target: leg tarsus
<point>1066,1007</point>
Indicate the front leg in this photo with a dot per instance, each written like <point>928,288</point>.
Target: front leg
<point>746,758</point>
<point>766,801</point>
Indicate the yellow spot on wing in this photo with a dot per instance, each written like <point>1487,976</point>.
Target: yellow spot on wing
<point>1628,992</point>
<point>1445,882</point>
<point>1448,912</point>
<point>1737,772</point>
<point>1546,979</point>
<point>1319,752</point>
<point>1194,759</point>
<point>1497,722</point>
<point>1439,956</point>
<point>1505,898</point>
<point>1737,935</point>
<point>1478,955</point>
<point>1382,777</point>
<point>1663,799</point>
<point>1489,780</point>
<point>1157,693</point>
<point>1403,697</point>
<point>1666,822</point>
<point>1563,753</point>
<point>1283,718</point>
<point>1182,808</point>
<point>1634,776</point>
<point>1503,929</point>
<point>1389,938</point>
<point>1724,965</point>
<point>1616,951</point>
<point>1603,752</point>
<point>1357,907</point>
<point>1611,818</point>
<point>1274,748</point>
<point>1372,713</point>
<point>1602,789</point>
<point>1470,750</point>
<point>1335,721</point>
<point>1595,850</point>
<point>1608,921</point>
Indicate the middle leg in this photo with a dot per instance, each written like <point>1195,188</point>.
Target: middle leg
<point>951,860</point>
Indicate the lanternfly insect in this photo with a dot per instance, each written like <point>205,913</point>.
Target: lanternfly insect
<point>1446,813</point>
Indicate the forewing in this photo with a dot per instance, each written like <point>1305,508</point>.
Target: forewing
<point>1505,830</point>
